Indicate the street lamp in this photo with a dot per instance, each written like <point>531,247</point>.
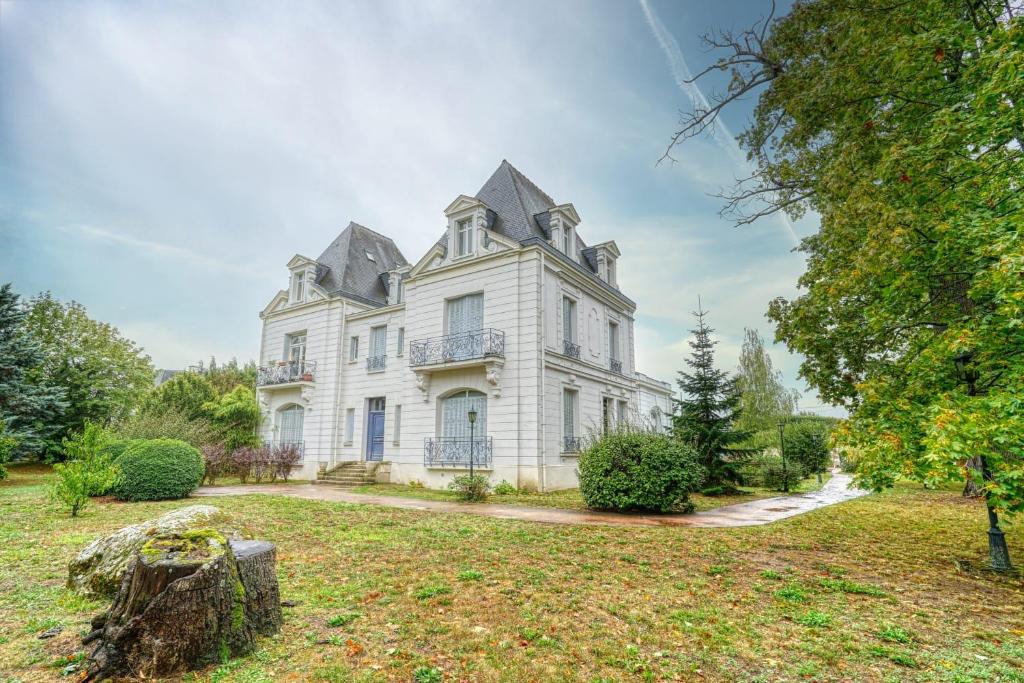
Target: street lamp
<point>782,451</point>
<point>472,440</point>
<point>998,552</point>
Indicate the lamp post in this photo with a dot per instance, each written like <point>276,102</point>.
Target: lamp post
<point>782,451</point>
<point>472,440</point>
<point>998,552</point>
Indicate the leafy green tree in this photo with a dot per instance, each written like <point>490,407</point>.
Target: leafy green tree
<point>707,415</point>
<point>30,405</point>
<point>186,393</point>
<point>764,400</point>
<point>226,377</point>
<point>169,423</point>
<point>807,444</point>
<point>103,374</point>
<point>236,417</point>
<point>77,480</point>
<point>901,126</point>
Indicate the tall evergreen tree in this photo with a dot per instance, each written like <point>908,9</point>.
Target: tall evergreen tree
<point>30,407</point>
<point>707,415</point>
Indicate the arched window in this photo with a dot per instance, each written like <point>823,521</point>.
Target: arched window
<point>455,414</point>
<point>289,424</point>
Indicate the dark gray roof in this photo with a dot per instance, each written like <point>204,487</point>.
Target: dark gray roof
<point>348,269</point>
<point>516,201</point>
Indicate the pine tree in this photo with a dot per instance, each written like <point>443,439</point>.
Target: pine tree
<point>707,415</point>
<point>31,408</point>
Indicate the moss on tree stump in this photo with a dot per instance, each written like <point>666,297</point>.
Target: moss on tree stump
<point>188,600</point>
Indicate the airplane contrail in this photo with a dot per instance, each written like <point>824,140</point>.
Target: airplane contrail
<point>720,132</point>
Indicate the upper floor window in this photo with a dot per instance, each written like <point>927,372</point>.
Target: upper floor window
<point>464,237</point>
<point>568,320</point>
<point>399,291</point>
<point>297,347</point>
<point>353,348</point>
<point>401,341</point>
<point>299,286</point>
<point>611,272</point>
<point>567,239</point>
<point>613,341</point>
<point>378,341</point>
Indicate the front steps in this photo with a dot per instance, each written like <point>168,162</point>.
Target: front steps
<point>350,474</point>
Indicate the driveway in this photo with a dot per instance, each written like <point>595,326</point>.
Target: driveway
<point>756,512</point>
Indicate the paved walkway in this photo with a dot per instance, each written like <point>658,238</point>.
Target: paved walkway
<point>754,513</point>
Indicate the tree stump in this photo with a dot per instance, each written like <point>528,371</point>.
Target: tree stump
<point>189,599</point>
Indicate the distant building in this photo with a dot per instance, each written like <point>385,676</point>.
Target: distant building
<point>164,375</point>
<point>510,316</point>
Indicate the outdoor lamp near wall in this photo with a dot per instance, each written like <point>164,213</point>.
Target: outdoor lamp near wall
<point>782,451</point>
<point>998,552</point>
<point>472,440</point>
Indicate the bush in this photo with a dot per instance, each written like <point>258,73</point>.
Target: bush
<point>216,461</point>
<point>159,469</point>
<point>77,479</point>
<point>284,458</point>
<point>639,471</point>
<point>765,471</point>
<point>92,447</point>
<point>471,489</point>
<point>505,489</point>
<point>167,424</point>
<point>807,444</point>
<point>7,444</point>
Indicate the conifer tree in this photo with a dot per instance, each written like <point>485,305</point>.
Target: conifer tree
<point>707,413</point>
<point>30,408</point>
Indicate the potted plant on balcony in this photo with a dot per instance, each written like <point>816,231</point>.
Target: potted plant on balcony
<point>307,376</point>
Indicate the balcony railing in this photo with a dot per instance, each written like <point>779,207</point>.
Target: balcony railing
<point>615,365</point>
<point>571,444</point>
<point>286,371</point>
<point>452,348</point>
<point>454,451</point>
<point>376,363</point>
<point>570,349</point>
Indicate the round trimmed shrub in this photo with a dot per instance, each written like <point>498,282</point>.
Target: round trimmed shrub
<point>639,471</point>
<point>158,469</point>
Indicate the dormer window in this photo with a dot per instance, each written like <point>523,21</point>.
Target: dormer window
<point>611,272</point>
<point>464,237</point>
<point>299,286</point>
<point>370,257</point>
<point>567,240</point>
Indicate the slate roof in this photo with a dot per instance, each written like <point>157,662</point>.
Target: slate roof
<point>516,201</point>
<point>349,271</point>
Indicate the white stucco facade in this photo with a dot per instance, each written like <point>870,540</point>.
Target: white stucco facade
<point>524,325</point>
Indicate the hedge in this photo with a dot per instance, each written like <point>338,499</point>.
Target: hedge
<point>158,469</point>
<point>639,471</point>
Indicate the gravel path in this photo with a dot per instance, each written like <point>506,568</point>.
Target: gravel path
<point>756,512</point>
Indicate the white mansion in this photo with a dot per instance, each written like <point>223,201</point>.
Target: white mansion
<point>368,358</point>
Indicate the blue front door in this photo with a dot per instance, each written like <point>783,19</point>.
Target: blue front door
<point>375,435</point>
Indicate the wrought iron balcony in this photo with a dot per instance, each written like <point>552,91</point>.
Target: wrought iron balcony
<point>615,365</point>
<point>454,451</point>
<point>571,444</point>
<point>286,371</point>
<point>570,349</point>
<point>376,363</point>
<point>452,348</point>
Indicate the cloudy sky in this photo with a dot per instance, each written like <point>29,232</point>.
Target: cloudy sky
<point>160,162</point>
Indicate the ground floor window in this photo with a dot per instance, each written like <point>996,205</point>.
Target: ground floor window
<point>455,414</point>
<point>289,424</point>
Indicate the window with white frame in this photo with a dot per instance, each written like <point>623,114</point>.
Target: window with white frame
<point>567,239</point>
<point>289,424</point>
<point>298,286</point>
<point>398,424</point>
<point>620,417</point>
<point>353,348</point>
<point>401,341</point>
<point>611,272</point>
<point>570,401</point>
<point>613,340</point>
<point>464,237</point>
<point>350,425</point>
<point>568,320</point>
<point>399,291</point>
<point>296,347</point>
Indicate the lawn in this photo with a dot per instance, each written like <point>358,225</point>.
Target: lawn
<point>571,499</point>
<point>869,590</point>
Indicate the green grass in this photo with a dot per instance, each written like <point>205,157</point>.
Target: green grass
<point>570,498</point>
<point>863,591</point>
